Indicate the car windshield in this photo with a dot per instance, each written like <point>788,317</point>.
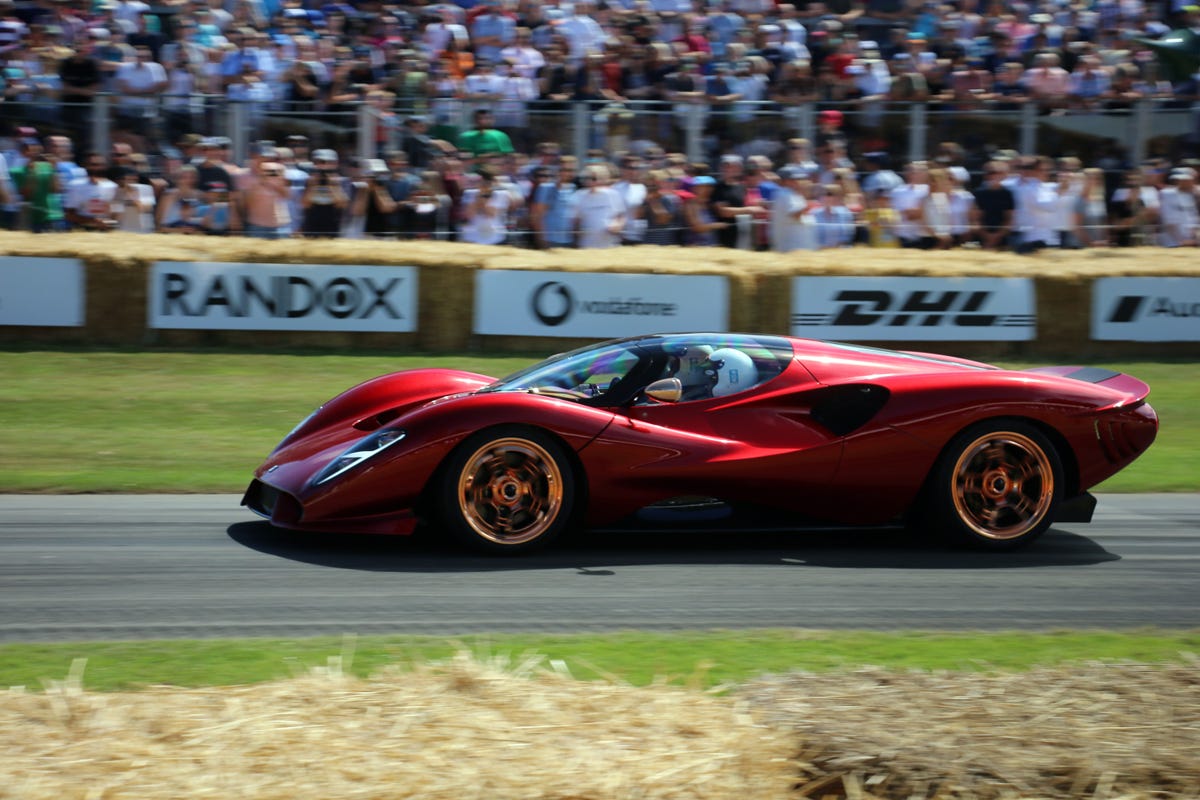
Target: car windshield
<point>614,373</point>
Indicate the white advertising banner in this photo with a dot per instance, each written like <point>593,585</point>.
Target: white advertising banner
<point>283,297</point>
<point>1146,309</point>
<point>41,291</point>
<point>914,309</point>
<point>598,305</point>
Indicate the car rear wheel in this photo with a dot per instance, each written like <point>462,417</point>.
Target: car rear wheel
<point>508,490</point>
<point>997,486</point>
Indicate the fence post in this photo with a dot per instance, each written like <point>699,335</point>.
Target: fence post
<point>1140,132</point>
<point>580,122</point>
<point>236,121</point>
<point>1028,142</point>
<point>918,126</point>
<point>101,124</point>
<point>693,132</point>
<point>365,117</point>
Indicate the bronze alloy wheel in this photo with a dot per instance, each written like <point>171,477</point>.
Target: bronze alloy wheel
<point>510,491</point>
<point>1003,485</point>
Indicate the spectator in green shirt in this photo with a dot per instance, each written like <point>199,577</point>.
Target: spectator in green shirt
<point>484,138</point>
<point>38,182</point>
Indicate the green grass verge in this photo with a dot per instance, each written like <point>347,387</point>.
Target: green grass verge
<point>700,659</point>
<point>84,421</point>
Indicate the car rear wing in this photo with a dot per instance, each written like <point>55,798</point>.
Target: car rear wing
<point>1133,390</point>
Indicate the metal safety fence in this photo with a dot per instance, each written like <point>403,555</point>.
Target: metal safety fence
<point>906,130</point>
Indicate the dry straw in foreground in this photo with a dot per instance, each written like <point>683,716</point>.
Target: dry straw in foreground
<point>459,731</point>
<point>496,730</point>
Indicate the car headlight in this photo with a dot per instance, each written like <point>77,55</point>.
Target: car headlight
<point>358,453</point>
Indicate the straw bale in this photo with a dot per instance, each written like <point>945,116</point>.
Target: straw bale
<point>503,728</point>
<point>459,730</point>
<point>1090,731</point>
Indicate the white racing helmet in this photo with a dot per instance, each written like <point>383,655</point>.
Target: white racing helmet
<point>694,367</point>
<point>735,371</point>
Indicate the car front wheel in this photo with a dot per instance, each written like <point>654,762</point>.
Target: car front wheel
<point>508,490</point>
<point>997,486</point>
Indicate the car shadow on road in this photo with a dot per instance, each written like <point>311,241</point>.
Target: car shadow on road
<point>598,552</point>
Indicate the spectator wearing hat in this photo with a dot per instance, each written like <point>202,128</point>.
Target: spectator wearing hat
<point>829,128</point>
<point>792,227</point>
<point>1178,217</point>
<point>877,175</point>
<point>216,184</point>
<point>702,223</point>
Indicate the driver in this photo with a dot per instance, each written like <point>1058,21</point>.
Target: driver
<point>695,372</point>
<point>735,371</point>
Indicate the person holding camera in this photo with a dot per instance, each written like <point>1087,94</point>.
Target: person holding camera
<point>375,203</point>
<point>485,211</point>
<point>325,199</point>
<point>265,192</point>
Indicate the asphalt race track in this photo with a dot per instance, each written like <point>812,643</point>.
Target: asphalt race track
<point>128,567</point>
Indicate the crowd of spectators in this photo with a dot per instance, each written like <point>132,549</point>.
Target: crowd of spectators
<point>816,198</point>
<point>505,177</point>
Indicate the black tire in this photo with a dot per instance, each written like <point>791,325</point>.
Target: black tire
<point>509,489</point>
<point>997,486</point>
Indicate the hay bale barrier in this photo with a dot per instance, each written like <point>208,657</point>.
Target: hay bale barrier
<point>505,729</point>
<point>117,268</point>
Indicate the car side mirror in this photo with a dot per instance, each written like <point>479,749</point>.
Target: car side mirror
<point>667,390</point>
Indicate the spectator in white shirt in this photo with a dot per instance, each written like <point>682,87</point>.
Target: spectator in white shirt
<point>485,211</point>
<point>632,190</point>
<point>140,84</point>
<point>599,212</point>
<point>792,227</point>
<point>908,200</point>
<point>1178,217</point>
<point>1036,201</point>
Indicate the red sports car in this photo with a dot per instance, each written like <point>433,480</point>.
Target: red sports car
<point>824,434</point>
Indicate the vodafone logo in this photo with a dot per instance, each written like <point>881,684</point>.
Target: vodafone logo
<point>552,303</point>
